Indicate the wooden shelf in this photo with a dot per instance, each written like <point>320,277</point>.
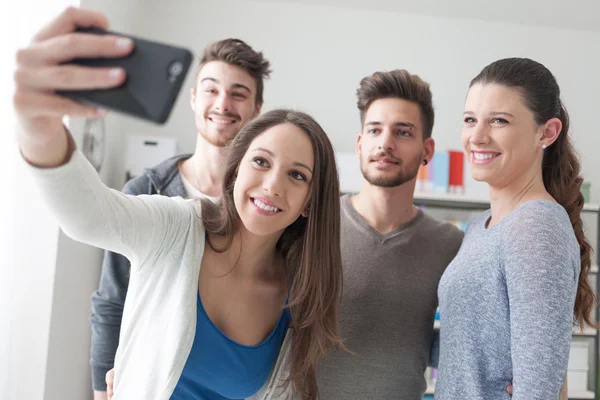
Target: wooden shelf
<point>582,395</point>
<point>470,201</point>
<point>586,332</point>
<point>430,389</point>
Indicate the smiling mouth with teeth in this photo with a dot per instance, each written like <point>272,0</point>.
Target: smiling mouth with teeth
<point>264,206</point>
<point>484,156</point>
<point>221,121</point>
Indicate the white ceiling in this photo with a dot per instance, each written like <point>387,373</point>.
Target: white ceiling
<point>560,14</point>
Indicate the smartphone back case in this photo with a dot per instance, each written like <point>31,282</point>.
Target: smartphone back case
<point>155,74</point>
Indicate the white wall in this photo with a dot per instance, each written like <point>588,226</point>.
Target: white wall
<point>8,157</point>
<point>76,277</point>
<point>29,254</point>
<point>574,14</point>
<point>319,54</point>
<point>47,279</point>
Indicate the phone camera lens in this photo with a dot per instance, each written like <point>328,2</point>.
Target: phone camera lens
<point>175,69</point>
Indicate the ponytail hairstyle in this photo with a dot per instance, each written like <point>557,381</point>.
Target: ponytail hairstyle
<point>560,163</point>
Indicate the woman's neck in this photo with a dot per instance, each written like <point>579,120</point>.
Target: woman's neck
<point>252,256</point>
<point>506,199</point>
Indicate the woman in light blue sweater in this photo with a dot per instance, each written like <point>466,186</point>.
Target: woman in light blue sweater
<point>508,299</point>
<point>231,301</point>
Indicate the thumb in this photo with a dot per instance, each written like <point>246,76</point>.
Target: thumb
<point>509,388</point>
<point>110,377</point>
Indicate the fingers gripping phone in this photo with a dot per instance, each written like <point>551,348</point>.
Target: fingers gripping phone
<point>155,74</point>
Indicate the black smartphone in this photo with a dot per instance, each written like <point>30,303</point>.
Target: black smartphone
<point>155,74</point>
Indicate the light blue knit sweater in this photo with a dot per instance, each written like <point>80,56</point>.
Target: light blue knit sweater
<point>506,306</point>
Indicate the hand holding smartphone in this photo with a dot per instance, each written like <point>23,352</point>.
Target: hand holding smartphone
<point>65,72</point>
<point>155,74</point>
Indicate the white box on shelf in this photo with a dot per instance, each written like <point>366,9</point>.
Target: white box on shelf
<point>578,357</point>
<point>351,178</point>
<point>581,395</point>
<point>473,188</point>
<point>430,378</point>
<point>577,379</point>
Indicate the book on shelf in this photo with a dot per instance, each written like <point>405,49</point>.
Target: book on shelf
<point>445,173</point>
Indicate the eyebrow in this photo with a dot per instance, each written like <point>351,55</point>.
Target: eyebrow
<point>492,113</point>
<point>502,113</point>
<point>233,86</point>
<point>405,124</point>
<point>296,163</point>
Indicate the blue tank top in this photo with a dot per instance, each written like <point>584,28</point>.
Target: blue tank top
<point>219,368</point>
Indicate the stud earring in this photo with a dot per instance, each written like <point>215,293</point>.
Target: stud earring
<point>544,146</point>
<point>425,162</point>
<point>305,212</point>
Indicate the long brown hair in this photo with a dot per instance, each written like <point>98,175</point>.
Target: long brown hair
<point>560,164</point>
<point>310,245</point>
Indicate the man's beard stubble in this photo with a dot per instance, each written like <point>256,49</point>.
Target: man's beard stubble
<point>406,173</point>
<point>220,139</point>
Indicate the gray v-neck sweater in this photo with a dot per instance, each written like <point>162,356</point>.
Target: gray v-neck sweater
<point>388,307</point>
<point>506,306</point>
